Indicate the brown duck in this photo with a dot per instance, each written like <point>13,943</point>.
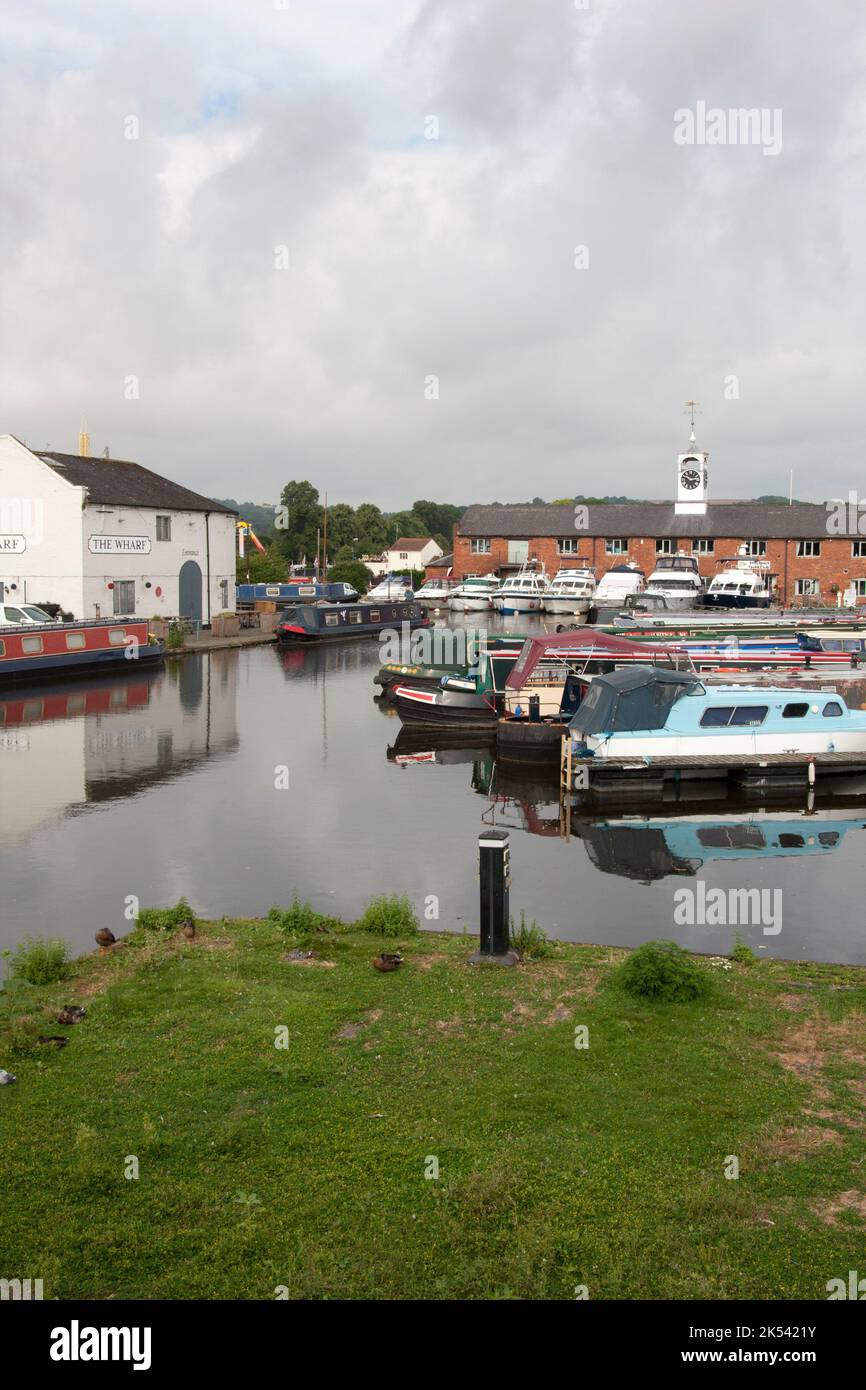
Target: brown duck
<point>188,929</point>
<point>71,1013</point>
<point>389,960</point>
<point>104,938</point>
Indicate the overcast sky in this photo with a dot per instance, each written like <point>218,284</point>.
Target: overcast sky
<point>306,126</point>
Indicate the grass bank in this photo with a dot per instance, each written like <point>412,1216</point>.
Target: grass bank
<point>304,1167</point>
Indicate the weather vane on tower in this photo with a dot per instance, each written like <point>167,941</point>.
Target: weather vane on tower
<point>692,409</point>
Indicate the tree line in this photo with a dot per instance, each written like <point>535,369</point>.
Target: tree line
<point>291,529</point>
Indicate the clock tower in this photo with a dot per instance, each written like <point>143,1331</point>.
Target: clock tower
<point>692,477</point>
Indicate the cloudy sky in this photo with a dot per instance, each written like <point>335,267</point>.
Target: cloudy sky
<point>430,167</point>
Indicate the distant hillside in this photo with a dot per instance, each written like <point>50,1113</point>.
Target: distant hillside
<point>258,514</point>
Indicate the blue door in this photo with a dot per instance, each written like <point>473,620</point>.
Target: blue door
<point>189,590</point>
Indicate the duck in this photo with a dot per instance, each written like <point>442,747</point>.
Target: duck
<point>6,1078</point>
<point>104,938</point>
<point>53,1040</point>
<point>388,960</point>
<point>71,1013</point>
<point>188,929</point>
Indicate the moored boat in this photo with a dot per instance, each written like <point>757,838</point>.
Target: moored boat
<point>649,713</point>
<point>522,592</point>
<point>474,594</point>
<point>308,622</point>
<point>570,591</point>
<point>676,579</point>
<point>35,652</point>
<point>743,583</point>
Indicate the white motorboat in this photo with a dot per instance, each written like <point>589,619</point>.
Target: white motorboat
<point>677,579</point>
<point>617,583</point>
<point>435,591</point>
<point>570,591</point>
<point>474,594</point>
<point>743,583</point>
<point>390,588</point>
<point>522,592</point>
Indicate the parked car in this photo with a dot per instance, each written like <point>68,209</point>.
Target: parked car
<point>20,614</point>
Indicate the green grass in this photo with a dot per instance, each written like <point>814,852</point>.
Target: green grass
<point>38,962</point>
<point>303,1166</point>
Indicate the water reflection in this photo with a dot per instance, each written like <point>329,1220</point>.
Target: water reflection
<point>67,745</point>
<point>705,821</point>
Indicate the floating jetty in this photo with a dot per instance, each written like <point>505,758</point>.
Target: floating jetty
<point>629,777</point>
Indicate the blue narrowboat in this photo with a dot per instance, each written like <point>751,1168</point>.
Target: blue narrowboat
<point>310,622</point>
<point>308,590</point>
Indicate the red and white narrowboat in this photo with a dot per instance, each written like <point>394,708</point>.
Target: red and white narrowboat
<point>50,650</point>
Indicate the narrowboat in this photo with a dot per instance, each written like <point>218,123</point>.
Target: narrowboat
<point>646,713</point>
<point>36,652</point>
<point>309,622</point>
<point>305,590</point>
<point>468,702</point>
<point>455,651</point>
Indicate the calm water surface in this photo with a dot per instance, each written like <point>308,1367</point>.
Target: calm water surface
<point>165,785</point>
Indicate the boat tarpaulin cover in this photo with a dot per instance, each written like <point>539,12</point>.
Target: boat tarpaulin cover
<point>639,698</point>
<point>583,643</point>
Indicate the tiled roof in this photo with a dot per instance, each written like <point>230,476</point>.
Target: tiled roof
<point>744,520</point>
<point>123,484</point>
<point>411,543</point>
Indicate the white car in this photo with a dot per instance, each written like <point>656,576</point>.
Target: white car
<point>21,614</point>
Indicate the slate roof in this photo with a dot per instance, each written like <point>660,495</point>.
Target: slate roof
<point>739,520</point>
<point>119,483</point>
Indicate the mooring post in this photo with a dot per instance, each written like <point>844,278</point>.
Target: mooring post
<point>494,873</point>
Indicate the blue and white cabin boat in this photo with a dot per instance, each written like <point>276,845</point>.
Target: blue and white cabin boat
<point>307,590</point>
<point>649,712</point>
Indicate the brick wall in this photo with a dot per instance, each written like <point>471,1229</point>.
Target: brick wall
<point>835,564</point>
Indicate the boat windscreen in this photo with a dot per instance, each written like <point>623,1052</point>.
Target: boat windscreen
<point>608,707</point>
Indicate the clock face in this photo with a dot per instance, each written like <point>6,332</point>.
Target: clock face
<point>690,478</point>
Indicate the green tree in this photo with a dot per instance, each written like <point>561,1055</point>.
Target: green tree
<point>304,519</point>
<point>255,568</point>
<point>351,572</point>
<point>370,528</point>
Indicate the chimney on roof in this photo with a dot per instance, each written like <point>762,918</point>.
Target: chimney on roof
<point>83,440</point>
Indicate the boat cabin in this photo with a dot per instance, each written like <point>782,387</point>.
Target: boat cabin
<point>308,622</point>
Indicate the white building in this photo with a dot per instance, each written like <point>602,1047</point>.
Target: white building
<point>103,536</point>
<point>411,553</point>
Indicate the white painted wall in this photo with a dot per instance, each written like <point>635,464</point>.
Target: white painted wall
<point>46,529</point>
<point>160,565</point>
<point>42,512</point>
<point>417,559</point>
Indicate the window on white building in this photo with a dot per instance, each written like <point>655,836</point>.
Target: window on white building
<point>163,528</point>
<point>616,545</point>
<point>807,587</point>
<point>809,548</point>
<point>124,596</point>
<point>479,547</point>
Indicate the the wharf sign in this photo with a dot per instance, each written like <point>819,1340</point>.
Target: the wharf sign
<point>119,545</point>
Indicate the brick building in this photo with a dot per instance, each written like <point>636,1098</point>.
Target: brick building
<point>808,561</point>
<point>816,551</point>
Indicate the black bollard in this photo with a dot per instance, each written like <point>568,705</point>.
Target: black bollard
<point>494,872</point>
